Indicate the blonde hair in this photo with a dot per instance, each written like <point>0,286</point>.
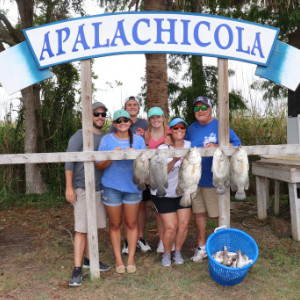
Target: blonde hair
<point>164,124</point>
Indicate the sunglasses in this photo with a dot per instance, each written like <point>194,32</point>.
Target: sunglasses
<point>97,114</point>
<point>120,120</point>
<point>202,107</point>
<point>176,127</point>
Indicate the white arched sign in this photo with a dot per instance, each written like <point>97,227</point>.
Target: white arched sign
<point>148,32</point>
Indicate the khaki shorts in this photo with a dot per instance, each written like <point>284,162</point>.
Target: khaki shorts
<point>206,200</point>
<point>80,214</point>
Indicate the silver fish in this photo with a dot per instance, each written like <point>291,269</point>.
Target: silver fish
<point>141,171</point>
<point>219,256</point>
<point>229,257</point>
<point>220,168</point>
<point>189,175</point>
<point>242,260</point>
<point>239,168</point>
<point>158,174</point>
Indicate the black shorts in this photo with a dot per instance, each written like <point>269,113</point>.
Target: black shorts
<point>146,195</point>
<point>167,205</point>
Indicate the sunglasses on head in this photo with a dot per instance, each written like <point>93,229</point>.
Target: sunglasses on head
<point>97,114</point>
<point>202,107</point>
<point>120,120</point>
<point>176,127</point>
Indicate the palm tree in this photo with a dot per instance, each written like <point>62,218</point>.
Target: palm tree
<point>156,69</point>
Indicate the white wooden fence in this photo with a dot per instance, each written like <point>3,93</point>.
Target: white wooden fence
<point>89,157</point>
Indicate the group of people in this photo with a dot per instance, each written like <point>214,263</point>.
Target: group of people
<point>124,203</point>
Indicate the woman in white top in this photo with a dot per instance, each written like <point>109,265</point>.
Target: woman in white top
<point>175,217</point>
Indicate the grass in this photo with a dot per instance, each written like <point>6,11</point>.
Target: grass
<point>40,263</point>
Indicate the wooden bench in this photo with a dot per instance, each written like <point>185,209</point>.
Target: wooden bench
<point>285,169</point>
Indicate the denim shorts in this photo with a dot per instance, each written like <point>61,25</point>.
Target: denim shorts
<point>112,197</point>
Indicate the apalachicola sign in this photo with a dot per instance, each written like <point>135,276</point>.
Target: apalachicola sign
<point>150,32</point>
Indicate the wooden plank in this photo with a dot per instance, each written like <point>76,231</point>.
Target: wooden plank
<point>267,182</point>
<point>224,209</point>
<point>295,211</point>
<point>223,101</point>
<point>261,197</point>
<point>279,173</point>
<point>59,157</point>
<point>280,162</point>
<point>276,197</point>
<point>295,157</point>
<point>89,167</point>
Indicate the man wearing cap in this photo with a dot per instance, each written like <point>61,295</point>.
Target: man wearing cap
<point>75,195</point>
<point>204,133</point>
<point>138,127</point>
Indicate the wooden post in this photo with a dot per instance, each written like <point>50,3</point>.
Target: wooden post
<point>89,169</point>
<point>276,197</point>
<point>295,211</point>
<point>261,197</point>
<point>223,100</point>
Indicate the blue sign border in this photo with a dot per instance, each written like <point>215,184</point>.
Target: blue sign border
<point>145,52</point>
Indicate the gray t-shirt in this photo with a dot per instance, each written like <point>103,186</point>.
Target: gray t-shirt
<point>139,127</point>
<point>76,145</point>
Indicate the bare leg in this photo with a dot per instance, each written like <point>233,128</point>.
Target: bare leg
<point>79,246</point>
<point>141,219</point>
<point>130,217</point>
<point>183,216</point>
<point>160,226</point>
<point>170,228</point>
<point>201,228</point>
<point>115,220</point>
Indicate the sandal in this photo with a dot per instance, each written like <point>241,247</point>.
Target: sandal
<point>131,269</point>
<point>120,269</point>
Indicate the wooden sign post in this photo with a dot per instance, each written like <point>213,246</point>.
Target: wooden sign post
<point>89,168</point>
<point>223,101</point>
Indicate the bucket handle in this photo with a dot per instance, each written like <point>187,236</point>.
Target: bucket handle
<point>221,227</point>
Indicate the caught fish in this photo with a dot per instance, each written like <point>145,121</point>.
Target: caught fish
<point>158,170</point>
<point>229,257</point>
<point>220,168</point>
<point>189,175</point>
<point>239,167</point>
<point>141,171</point>
<point>242,260</point>
<point>219,256</point>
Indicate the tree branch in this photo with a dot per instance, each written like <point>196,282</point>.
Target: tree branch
<point>5,36</point>
<point>10,29</point>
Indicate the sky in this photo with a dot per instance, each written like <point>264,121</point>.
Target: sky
<point>129,70</point>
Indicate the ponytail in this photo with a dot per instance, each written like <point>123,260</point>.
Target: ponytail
<point>130,138</point>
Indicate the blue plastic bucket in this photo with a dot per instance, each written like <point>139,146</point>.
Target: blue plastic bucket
<point>233,239</point>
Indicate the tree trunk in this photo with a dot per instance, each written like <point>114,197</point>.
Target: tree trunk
<point>32,115</point>
<point>33,138</point>
<point>156,69</point>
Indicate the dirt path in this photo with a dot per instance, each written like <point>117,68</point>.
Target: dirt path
<point>37,253</point>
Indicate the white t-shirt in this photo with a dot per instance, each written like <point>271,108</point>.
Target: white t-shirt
<point>173,174</point>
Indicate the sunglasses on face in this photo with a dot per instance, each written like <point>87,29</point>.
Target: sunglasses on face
<point>97,114</point>
<point>120,120</point>
<point>202,107</point>
<point>176,127</point>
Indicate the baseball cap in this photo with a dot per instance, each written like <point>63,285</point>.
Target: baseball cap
<point>98,104</point>
<point>121,113</point>
<point>202,99</point>
<point>131,98</point>
<point>177,120</point>
<point>155,111</point>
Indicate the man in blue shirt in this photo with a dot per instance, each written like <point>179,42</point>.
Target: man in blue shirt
<point>204,133</point>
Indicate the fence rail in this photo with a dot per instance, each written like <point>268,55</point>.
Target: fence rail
<point>88,156</point>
